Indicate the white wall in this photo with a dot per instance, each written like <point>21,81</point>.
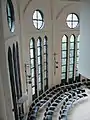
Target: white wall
<point>5,35</point>
<point>60,12</point>
<point>55,13</point>
<point>84,61</point>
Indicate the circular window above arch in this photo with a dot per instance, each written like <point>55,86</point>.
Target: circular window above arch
<point>72,20</point>
<point>38,19</point>
<point>10,15</point>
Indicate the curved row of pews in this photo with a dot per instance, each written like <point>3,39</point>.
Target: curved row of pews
<point>62,96</point>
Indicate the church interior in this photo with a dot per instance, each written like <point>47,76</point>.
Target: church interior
<point>45,62</point>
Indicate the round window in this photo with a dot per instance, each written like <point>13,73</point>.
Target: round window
<point>38,21</point>
<point>72,20</point>
<point>10,15</point>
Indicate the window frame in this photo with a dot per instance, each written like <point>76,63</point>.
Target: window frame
<point>45,53</point>
<point>35,78</point>
<point>39,65</point>
<point>77,77</point>
<point>62,73</point>
<point>72,21</point>
<point>10,15</point>
<point>38,20</point>
<point>73,64</point>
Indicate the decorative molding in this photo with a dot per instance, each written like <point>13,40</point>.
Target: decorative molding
<point>26,6</point>
<point>62,9</point>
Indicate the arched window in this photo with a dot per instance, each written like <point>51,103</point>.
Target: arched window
<point>15,71</point>
<point>39,63</point>
<point>45,49</point>
<point>12,82</point>
<point>77,56</point>
<point>64,58</point>
<point>33,68</point>
<point>71,58</point>
<point>18,76</point>
<point>10,15</point>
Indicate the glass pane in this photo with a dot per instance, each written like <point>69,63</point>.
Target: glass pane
<point>45,58</point>
<point>45,41</point>
<point>69,18</point>
<point>71,68</point>
<point>38,42</point>
<point>64,39</point>
<point>45,47</point>
<point>75,24</point>
<point>31,53</point>
<point>39,78</point>
<point>13,27</point>
<point>39,69</point>
<point>31,43</point>
<point>8,8</point>
<point>71,61</point>
<point>72,39</point>
<point>9,22</point>
<point>71,45</point>
<point>78,52</point>
<point>39,86</point>
<point>75,18</point>
<point>35,15</point>
<point>40,23</point>
<point>32,63</point>
<point>32,72</point>
<point>35,23</point>
<point>63,61</point>
<point>63,54</point>
<point>39,60</point>
<point>63,68</point>
<point>33,90</point>
<point>69,24</point>
<point>64,46</point>
<point>70,74</point>
<point>33,82</point>
<point>63,76</point>
<point>77,74</point>
<point>77,59</point>
<point>38,50</point>
<point>39,16</point>
<point>71,54</point>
